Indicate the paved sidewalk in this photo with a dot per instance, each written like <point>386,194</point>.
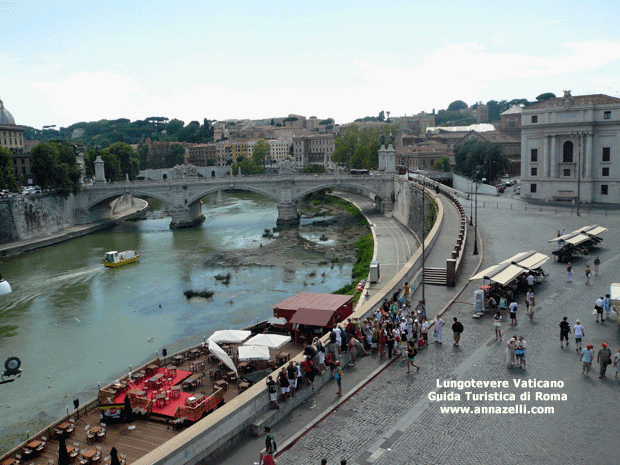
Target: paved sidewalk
<point>324,404</point>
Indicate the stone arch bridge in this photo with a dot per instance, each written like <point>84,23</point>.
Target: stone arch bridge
<point>183,195</point>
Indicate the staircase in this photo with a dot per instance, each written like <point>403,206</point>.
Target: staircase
<point>437,276</point>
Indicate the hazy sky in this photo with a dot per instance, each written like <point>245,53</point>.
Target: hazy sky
<point>63,62</point>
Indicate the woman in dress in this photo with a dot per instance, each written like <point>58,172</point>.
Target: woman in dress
<point>569,273</point>
<point>510,352</point>
<point>411,353</point>
<point>497,324</point>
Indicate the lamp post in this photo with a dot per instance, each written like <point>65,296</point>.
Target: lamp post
<point>471,211</point>
<point>423,233</point>
<point>476,222</point>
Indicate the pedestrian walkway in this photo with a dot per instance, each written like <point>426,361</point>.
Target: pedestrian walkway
<point>308,417</point>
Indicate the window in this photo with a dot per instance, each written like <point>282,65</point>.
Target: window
<point>607,115</point>
<point>512,124</point>
<point>534,171</point>
<point>534,118</point>
<point>534,155</point>
<point>604,189</point>
<point>567,172</point>
<point>606,153</point>
<point>605,171</point>
<point>567,152</point>
<point>533,188</point>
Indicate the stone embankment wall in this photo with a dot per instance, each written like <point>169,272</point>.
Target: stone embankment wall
<point>408,206</point>
<point>35,215</point>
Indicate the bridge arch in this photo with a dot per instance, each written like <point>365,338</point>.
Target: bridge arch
<point>203,193</point>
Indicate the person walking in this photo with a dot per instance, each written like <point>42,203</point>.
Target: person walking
<point>497,324</point>
<point>424,330</point>
<point>510,352</point>
<point>457,328</point>
<point>513,313</point>
<point>530,303</point>
<point>617,363</point>
<point>598,306</point>
<point>597,263</point>
<point>579,334</point>
<point>607,306</point>
<point>291,371</point>
<point>604,359</point>
<point>564,331</point>
<point>439,324</point>
<point>270,444</point>
<point>502,305</point>
<point>588,274</point>
<point>338,377</point>
<point>569,273</point>
<point>411,353</point>
<point>284,384</point>
<point>520,352</point>
<point>587,355</point>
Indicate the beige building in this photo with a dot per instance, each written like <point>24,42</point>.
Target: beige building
<point>313,149</point>
<point>12,138</point>
<point>279,150</point>
<point>570,149</point>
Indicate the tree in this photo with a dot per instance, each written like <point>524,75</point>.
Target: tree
<point>457,105</point>
<point>248,167</point>
<point>128,160</point>
<point>545,96</point>
<point>54,166</point>
<point>480,159</point>
<point>175,156</point>
<point>518,102</point>
<point>358,148</point>
<point>381,116</point>
<point>7,174</point>
<point>261,152</point>
<point>443,164</point>
<point>174,126</point>
<point>313,168</point>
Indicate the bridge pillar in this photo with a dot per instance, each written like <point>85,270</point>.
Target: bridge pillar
<point>186,216</point>
<point>287,214</point>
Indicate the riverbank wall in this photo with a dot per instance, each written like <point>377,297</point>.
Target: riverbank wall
<point>30,222</point>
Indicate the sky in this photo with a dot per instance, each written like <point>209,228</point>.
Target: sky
<point>64,62</point>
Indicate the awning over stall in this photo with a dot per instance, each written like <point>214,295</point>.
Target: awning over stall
<point>512,267</point>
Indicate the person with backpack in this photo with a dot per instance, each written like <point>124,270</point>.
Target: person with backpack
<point>270,446</point>
<point>564,331</point>
<point>457,328</point>
<point>338,378</point>
<point>309,371</point>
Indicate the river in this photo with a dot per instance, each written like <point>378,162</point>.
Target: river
<point>75,323</point>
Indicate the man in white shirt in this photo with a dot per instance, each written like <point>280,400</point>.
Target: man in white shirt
<point>530,280</point>
<point>513,313</point>
<point>598,306</point>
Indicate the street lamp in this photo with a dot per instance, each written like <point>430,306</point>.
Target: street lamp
<point>476,223</point>
<point>423,228</point>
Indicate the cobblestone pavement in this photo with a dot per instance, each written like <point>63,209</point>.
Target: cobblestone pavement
<point>393,421</point>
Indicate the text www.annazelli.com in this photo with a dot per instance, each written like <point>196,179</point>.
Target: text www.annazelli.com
<point>519,409</point>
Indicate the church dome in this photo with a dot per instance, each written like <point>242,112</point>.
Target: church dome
<point>5,115</point>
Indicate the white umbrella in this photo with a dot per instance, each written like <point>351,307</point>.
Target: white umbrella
<point>5,287</point>
<point>232,336</point>
<point>273,341</point>
<point>223,356</point>
<point>254,353</point>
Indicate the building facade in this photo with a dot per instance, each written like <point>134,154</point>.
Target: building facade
<point>570,149</point>
<point>12,138</point>
<point>313,149</point>
<point>202,155</point>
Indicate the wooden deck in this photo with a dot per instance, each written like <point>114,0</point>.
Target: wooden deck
<point>136,439</point>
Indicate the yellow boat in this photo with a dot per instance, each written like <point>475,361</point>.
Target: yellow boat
<point>114,259</point>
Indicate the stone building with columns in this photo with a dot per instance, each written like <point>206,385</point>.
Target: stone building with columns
<point>570,149</point>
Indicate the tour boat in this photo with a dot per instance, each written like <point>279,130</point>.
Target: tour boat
<point>114,258</point>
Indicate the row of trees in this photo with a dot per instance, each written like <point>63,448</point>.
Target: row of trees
<point>358,148</point>
<point>7,173</point>
<point>104,133</point>
<point>480,159</point>
<point>54,166</point>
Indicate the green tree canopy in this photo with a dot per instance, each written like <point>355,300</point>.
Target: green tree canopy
<point>457,105</point>
<point>313,168</point>
<point>480,159</point>
<point>358,148</point>
<point>7,173</point>
<point>443,164</point>
<point>54,166</point>
<point>545,96</point>
<point>128,160</point>
<point>261,152</point>
<point>248,167</point>
<point>175,156</point>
